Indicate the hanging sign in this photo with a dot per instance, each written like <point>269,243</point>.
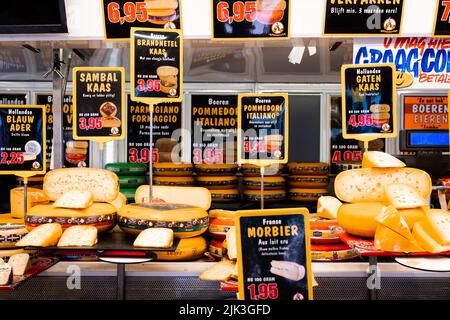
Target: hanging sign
<point>22,140</point>
<point>263,128</point>
<point>274,254</point>
<point>167,125</point>
<point>363,18</point>
<point>156,65</point>
<point>120,16</point>
<point>250,20</point>
<point>99,103</point>
<point>369,108</point>
<point>214,128</point>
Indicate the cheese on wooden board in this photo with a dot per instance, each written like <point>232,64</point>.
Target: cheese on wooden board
<point>221,271</point>
<point>426,241</point>
<point>5,274</point>
<point>46,235</point>
<point>359,218</point>
<point>327,207</point>
<point>154,238</point>
<point>75,199</point>
<point>185,220</point>
<point>20,263</point>
<point>367,185</point>
<point>188,249</point>
<point>378,159</point>
<point>231,243</point>
<point>194,196</point>
<point>119,202</point>
<point>34,197</point>
<point>437,224</point>
<point>390,241</point>
<point>100,215</point>
<point>103,184</point>
<point>391,219</point>
<point>79,236</point>
<point>403,196</point>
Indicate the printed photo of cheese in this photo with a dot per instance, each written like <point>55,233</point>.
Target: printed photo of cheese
<point>287,269</point>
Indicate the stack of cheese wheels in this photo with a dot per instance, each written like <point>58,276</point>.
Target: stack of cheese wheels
<point>11,231</point>
<point>220,180</point>
<point>308,181</point>
<point>274,183</point>
<point>83,196</point>
<point>173,174</point>
<point>131,176</point>
<point>387,201</point>
<point>220,222</point>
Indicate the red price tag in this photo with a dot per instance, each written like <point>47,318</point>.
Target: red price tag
<point>142,156</point>
<point>255,146</point>
<point>339,156</point>
<point>263,291</point>
<point>240,11</point>
<point>9,158</point>
<point>132,12</point>
<point>149,85</point>
<point>209,156</point>
<point>363,120</point>
<point>90,123</point>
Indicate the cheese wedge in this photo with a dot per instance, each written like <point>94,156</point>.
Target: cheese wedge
<point>378,159</point>
<point>221,271</point>
<point>46,235</point>
<point>20,263</point>
<point>154,238</point>
<point>327,207</point>
<point>119,202</point>
<point>437,224</point>
<point>231,243</point>
<point>403,196</point>
<point>5,274</point>
<point>34,197</point>
<point>391,219</point>
<point>188,249</point>
<point>413,215</point>
<point>367,185</point>
<point>79,236</point>
<point>194,196</point>
<point>390,241</point>
<point>75,199</point>
<point>359,219</point>
<point>426,241</point>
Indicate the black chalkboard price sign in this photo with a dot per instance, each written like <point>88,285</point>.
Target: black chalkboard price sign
<point>274,255</point>
<point>120,16</point>
<point>247,20</point>
<point>22,140</point>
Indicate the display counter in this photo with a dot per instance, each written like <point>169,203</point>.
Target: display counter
<point>179,280</point>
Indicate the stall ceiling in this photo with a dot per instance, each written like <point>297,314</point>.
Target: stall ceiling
<point>205,61</point>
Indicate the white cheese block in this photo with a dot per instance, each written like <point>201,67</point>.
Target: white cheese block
<point>221,271</point>
<point>378,159</point>
<point>327,207</point>
<point>75,199</point>
<point>20,263</point>
<point>5,274</point>
<point>79,236</point>
<point>231,243</point>
<point>437,224</point>
<point>45,235</point>
<point>403,196</point>
<point>154,238</point>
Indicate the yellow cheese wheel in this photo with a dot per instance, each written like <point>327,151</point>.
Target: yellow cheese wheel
<point>220,223</point>
<point>173,181</point>
<point>186,221</point>
<point>34,197</point>
<point>172,169</point>
<point>270,183</point>
<point>218,182</point>
<point>100,215</point>
<point>216,169</point>
<point>225,195</point>
<point>188,249</point>
<point>11,231</point>
<point>359,218</point>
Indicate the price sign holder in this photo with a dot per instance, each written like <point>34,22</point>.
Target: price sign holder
<point>369,92</point>
<point>25,174</point>
<point>144,73</point>
<point>284,274</point>
<point>279,114</point>
<point>99,91</point>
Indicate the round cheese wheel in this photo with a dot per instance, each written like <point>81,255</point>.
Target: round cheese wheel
<point>269,195</point>
<point>216,248</point>
<point>270,183</point>
<point>298,194</point>
<point>217,182</point>
<point>250,170</point>
<point>308,168</point>
<point>127,169</point>
<point>225,195</point>
<point>100,215</point>
<point>186,221</point>
<point>174,181</point>
<point>216,169</point>
<point>172,169</point>
<point>359,218</point>
<point>188,249</point>
<point>335,252</point>
<point>11,231</point>
<point>309,181</point>
<point>220,222</point>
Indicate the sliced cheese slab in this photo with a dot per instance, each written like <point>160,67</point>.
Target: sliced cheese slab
<point>426,241</point>
<point>119,202</point>
<point>367,185</point>
<point>79,236</point>
<point>75,199</point>
<point>437,224</point>
<point>378,159</point>
<point>34,197</point>
<point>390,241</point>
<point>194,196</point>
<point>154,238</point>
<point>327,207</point>
<point>45,235</point>
<point>359,219</point>
<point>412,216</point>
<point>221,271</point>
<point>20,263</point>
<point>231,243</point>
<point>403,196</point>
<point>188,249</point>
<point>391,219</point>
<point>5,274</point>
<point>103,184</point>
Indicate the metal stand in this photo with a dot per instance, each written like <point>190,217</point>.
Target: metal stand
<point>262,188</point>
<point>150,165</point>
